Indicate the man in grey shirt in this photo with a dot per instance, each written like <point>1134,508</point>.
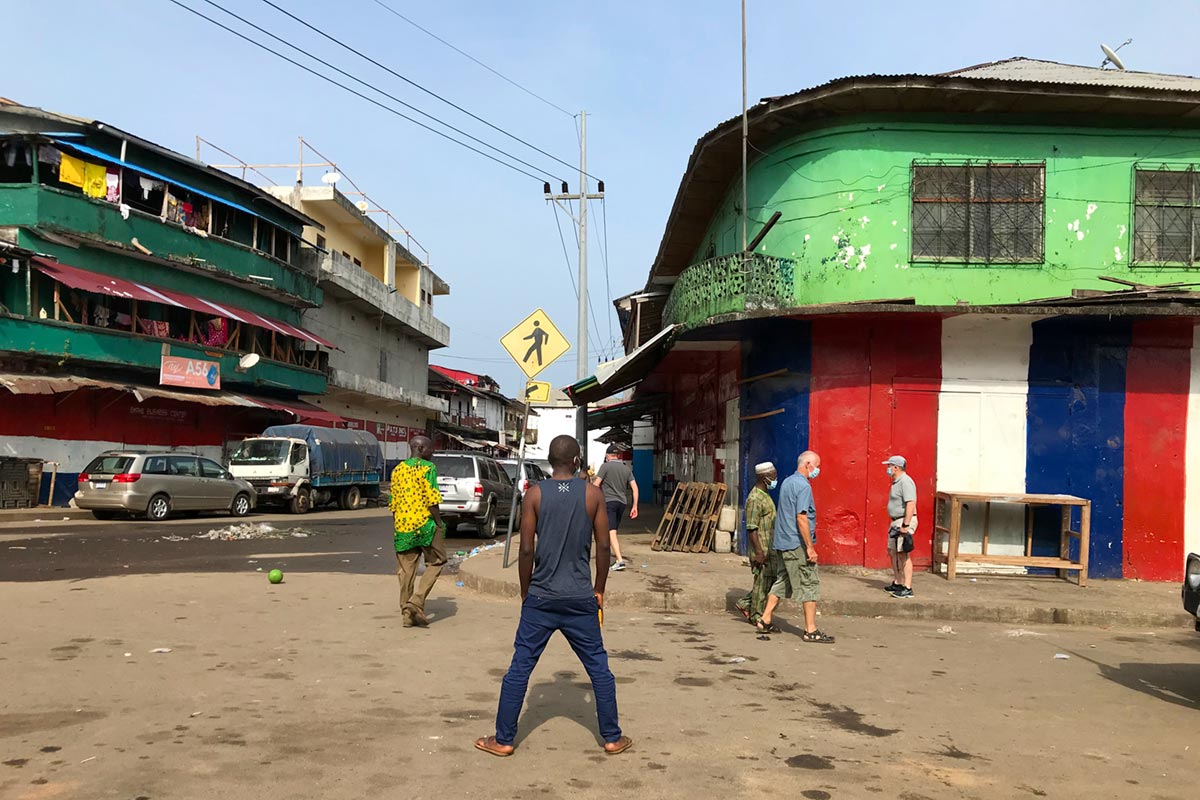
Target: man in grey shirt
<point>615,478</point>
<point>902,513</point>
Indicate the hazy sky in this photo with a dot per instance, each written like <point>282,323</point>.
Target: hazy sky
<point>652,75</point>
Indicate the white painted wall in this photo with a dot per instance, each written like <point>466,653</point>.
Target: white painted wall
<point>982,423</point>
<point>554,421</point>
<point>1191,528</point>
<point>73,455</point>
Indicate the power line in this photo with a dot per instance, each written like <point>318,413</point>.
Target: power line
<point>416,85</point>
<point>357,80</point>
<point>465,54</point>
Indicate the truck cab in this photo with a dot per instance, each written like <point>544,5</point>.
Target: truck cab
<point>279,470</point>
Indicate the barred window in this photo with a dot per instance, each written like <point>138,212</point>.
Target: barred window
<point>1166,216</point>
<point>975,212</point>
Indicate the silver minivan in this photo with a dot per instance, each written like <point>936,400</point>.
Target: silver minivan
<point>158,484</point>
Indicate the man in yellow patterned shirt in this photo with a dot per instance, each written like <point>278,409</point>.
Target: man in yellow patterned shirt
<point>418,528</point>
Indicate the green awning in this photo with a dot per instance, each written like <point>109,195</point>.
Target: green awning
<point>614,377</point>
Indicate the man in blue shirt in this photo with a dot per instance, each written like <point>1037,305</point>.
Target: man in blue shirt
<point>794,555</point>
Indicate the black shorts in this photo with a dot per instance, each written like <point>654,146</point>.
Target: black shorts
<point>616,510</point>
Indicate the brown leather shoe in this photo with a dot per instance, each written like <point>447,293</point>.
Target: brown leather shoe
<point>419,619</point>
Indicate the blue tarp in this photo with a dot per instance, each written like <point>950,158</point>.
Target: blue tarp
<point>335,452</point>
<point>149,173</point>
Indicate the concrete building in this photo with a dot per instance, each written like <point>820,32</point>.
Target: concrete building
<point>379,309</point>
<point>135,282</point>
<point>987,271</point>
<point>556,417</point>
<point>476,412</point>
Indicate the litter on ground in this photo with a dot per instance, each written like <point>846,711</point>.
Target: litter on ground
<point>945,629</point>
<point>248,530</point>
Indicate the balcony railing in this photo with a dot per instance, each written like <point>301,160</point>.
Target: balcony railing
<point>730,284</point>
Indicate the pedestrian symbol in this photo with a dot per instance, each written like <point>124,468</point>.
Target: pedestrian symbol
<point>535,344</point>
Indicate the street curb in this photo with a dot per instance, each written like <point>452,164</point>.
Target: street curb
<point>45,514</point>
<point>683,602</point>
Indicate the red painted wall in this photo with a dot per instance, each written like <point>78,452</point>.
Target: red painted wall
<point>111,416</point>
<point>875,385</point>
<point>1157,383</point>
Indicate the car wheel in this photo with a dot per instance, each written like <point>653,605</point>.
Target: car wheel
<point>302,502</point>
<point>159,508</point>
<point>350,498</point>
<point>104,514</point>
<point>487,525</point>
<point>241,505</point>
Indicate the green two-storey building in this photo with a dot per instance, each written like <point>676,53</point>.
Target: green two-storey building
<point>990,271</point>
<point>145,299</point>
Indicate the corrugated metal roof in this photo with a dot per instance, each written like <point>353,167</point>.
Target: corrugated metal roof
<point>1038,71</point>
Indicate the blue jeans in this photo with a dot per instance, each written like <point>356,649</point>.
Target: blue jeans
<point>578,621</point>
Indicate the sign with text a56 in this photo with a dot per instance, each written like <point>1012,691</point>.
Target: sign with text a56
<point>192,373</point>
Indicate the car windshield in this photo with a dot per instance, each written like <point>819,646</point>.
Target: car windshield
<point>510,470</point>
<point>109,465</point>
<point>454,467</point>
<point>261,451</point>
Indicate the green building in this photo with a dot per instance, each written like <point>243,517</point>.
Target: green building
<point>989,271</point>
<point>145,298</point>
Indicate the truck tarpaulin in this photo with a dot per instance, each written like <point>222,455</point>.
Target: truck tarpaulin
<point>334,451</point>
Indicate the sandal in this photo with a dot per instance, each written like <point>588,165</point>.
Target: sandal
<point>767,628</point>
<point>619,746</point>
<point>488,744</point>
<point>818,637</point>
<point>745,612</point>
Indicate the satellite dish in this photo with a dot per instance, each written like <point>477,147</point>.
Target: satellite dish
<point>1111,57</point>
<point>362,205</point>
<point>247,361</point>
<point>331,178</point>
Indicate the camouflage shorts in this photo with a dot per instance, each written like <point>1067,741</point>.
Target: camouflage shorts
<point>795,576</point>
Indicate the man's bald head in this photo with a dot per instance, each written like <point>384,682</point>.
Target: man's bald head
<point>808,461</point>
<point>421,446</point>
<point>563,452</point>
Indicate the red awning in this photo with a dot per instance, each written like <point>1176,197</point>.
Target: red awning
<point>298,407</point>
<point>97,283</point>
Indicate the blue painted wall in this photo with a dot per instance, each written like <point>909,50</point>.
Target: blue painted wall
<point>643,472</point>
<point>768,346</point>
<point>1076,431</point>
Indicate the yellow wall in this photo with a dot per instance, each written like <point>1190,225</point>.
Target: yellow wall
<point>340,238</point>
<point>408,280</point>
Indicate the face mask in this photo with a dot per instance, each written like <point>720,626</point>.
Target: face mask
<point>773,484</point>
<point>813,475</point>
<point>890,473</point>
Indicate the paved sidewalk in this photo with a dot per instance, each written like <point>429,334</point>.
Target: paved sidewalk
<point>711,583</point>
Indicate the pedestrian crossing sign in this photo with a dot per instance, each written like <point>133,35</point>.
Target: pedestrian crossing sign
<point>537,392</point>
<point>535,343</point>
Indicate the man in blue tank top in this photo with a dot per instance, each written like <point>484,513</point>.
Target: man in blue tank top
<point>561,519</point>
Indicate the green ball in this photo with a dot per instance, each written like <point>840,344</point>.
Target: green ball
<point>275,576</point>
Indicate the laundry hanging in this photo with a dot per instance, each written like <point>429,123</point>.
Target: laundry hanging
<point>95,180</point>
<point>71,171</point>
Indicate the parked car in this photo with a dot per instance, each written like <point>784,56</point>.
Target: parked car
<point>1191,587</point>
<point>533,474</point>
<point>474,490</point>
<point>158,484</point>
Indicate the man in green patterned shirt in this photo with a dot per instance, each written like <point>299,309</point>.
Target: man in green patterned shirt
<point>760,528</point>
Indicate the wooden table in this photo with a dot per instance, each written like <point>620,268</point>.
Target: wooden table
<point>948,523</point>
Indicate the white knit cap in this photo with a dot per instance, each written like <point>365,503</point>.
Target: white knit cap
<point>764,468</point>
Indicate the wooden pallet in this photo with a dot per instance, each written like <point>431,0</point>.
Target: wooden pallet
<point>689,522</point>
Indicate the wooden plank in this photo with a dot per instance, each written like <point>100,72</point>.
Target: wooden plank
<point>764,415</point>
<point>1085,530</point>
<point>1064,539</point>
<point>1028,531</point>
<point>987,521</point>
<point>753,378</point>
<point>667,517</point>
<point>955,533</point>
<point>1021,561</point>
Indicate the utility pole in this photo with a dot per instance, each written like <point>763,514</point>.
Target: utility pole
<point>581,336</point>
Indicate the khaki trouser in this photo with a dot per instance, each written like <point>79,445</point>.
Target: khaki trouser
<point>406,571</point>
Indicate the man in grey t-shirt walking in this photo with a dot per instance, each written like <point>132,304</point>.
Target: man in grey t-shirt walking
<point>615,478</point>
<point>902,512</point>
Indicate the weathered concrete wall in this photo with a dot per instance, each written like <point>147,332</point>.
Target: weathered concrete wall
<point>362,340</point>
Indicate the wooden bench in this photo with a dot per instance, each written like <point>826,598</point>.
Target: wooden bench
<point>948,524</point>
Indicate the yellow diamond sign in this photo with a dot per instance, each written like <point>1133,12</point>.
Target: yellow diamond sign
<point>538,391</point>
<point>535,344</point>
